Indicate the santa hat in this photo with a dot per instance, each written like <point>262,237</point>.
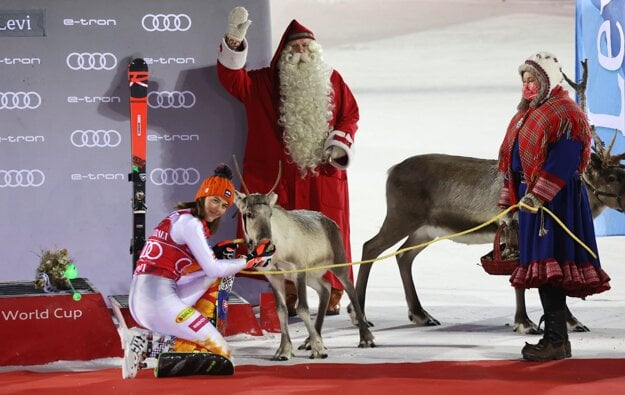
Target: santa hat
<point>295,31</point>
<point>218,185</point>
<point>546,68</point>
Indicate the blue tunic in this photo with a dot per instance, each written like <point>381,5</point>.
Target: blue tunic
<point>555,257</point>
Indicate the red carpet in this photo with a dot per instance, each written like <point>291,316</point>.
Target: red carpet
<point>572,376</point>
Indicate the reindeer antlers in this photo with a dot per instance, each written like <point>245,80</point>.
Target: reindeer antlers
<point>580,89</point>
<point>275,184</point>
<point>236,166</point>
<point>613,160</point>
<point>244,186</point>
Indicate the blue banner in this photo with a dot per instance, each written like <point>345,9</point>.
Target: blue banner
<point>600,39</point>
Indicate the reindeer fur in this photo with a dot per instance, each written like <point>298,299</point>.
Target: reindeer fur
<point>303,239</point>
<point>433,195</point>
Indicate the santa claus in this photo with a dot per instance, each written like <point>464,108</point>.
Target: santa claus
<point>301,113</point>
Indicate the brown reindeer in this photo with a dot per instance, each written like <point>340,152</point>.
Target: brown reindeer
<point>429,196</point>
<point>305,240</point>
<point>456,193</point>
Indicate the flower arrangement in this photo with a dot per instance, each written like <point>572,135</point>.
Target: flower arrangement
<point>51,273</point>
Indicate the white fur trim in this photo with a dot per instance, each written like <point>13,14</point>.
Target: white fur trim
<point>234,60</point>
<point>548,66</point>
<point>342,141</point>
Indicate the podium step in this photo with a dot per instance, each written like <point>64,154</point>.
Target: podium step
<point>42,327</point>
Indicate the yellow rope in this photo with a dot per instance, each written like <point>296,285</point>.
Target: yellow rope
<point>559,222</point>
<point>414,247</point>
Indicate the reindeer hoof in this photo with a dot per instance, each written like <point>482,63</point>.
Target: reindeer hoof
<point>577,327</point>
<point>366,344</point>
<point>305,345</point>
<point>320,355</point>
<point>423,320</point>
<point>280,358</point>
<point>527,328</point>
<point>284,353</point>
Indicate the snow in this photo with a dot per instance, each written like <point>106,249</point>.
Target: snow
<point>449,88</point>
<point>434,83</point>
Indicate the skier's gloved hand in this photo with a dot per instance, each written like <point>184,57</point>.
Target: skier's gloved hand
<point>530,203</point>
<point>237,24</point>
<point>261,255</point>
<point>225,249</point>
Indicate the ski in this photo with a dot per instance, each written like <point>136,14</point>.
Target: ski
<point>138,83</point>
<point>178,364</point>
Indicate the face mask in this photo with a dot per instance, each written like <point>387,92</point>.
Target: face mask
<point>530,91</point>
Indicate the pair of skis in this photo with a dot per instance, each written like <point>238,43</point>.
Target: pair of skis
<point>138,83</point>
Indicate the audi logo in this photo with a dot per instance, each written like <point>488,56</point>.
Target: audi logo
<point>95,138</point>
<point>177,176</point>
<point>182,263</point>
<point>151,250</point>
<point>21,178</point>
<point>173,99</point>
<point>91,61</point>
<point>166,23</point>
<point>19,100</point>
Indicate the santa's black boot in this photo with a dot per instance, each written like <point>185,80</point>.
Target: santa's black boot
<point>555,343</point>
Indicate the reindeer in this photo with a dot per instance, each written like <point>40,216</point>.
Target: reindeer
<point>304,240</point>
<point>429,196</point>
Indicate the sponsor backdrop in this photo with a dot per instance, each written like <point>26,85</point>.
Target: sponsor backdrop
<point>64,123</point>
<point>601,40</point>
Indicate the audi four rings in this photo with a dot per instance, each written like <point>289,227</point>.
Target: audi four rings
<point>171,99</point>
<point>151,250</point>
<point>91,61</point>
<point>95,138</point>
<point>178,176</point>
<point>19,100</point>
<point>21,178</point>
<point>166,23</point>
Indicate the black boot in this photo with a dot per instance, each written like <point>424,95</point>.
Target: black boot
<point>567,343</point>
<point>555,343</point>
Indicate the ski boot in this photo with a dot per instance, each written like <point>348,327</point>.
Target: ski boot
<point>135,347</point>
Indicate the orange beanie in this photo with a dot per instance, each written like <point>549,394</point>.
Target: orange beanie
<point>218,185</point>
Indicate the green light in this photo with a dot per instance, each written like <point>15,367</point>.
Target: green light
<point>71,272</point>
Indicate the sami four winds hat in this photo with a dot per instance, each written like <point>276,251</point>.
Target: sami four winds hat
<point>546,68</point>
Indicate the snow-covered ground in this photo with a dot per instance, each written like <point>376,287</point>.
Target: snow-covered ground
<point>429,82</point>
<point>436,76</point>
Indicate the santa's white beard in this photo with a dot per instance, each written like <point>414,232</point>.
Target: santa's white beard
<point>305,107</point>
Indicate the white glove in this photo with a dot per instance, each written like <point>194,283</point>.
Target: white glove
<point>238,24</point>
<point>335,154</point>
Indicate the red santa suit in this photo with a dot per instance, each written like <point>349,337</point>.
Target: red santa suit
<point>325,189</point>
